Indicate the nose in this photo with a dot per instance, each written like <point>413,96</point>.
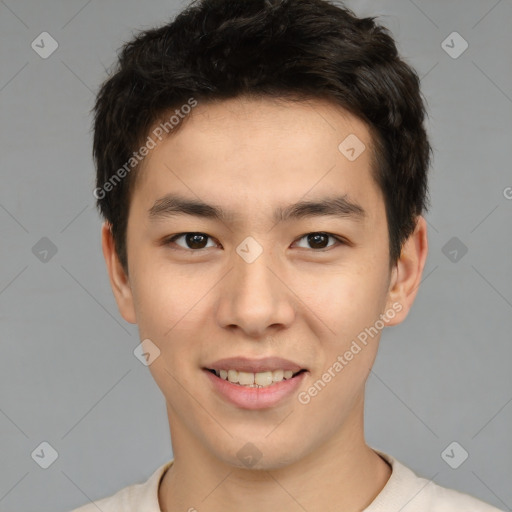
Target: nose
<point>254,297</point>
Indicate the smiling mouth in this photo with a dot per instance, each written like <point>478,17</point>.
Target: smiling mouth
<point>255,380</point>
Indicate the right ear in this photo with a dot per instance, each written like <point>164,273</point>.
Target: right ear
<point>119,281</point>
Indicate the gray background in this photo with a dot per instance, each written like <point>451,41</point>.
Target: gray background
<point>68,375</point>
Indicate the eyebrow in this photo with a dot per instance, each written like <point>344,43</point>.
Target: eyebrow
<point>172,205</point>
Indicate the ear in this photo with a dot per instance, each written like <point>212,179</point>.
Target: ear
<point>406,275</point>
<point>118,280</point>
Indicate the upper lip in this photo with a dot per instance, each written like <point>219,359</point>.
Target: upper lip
<point>245,364</point>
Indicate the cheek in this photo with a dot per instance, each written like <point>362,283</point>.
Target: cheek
<point>165,298</point>
<point>349,301</point>
<point>174,310</point>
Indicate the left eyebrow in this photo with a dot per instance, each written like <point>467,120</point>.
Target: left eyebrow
<point>339,206</point>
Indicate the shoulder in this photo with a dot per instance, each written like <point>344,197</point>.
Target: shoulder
<point>139,497</point>
<point>118,502</point>
<point>447,500</point>
<point>408,492</point>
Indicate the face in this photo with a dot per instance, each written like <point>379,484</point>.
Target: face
<point>251,277</point>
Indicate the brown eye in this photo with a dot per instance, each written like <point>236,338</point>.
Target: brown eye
<point>193,241</point>
<point>318,240</point>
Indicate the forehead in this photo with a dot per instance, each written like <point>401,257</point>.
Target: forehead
<point>248,153</point>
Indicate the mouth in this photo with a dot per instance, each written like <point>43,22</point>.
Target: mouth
<point>268,387</point>
<point>261,379</point>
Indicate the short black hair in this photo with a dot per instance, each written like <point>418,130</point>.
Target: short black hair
<point>278,49</point>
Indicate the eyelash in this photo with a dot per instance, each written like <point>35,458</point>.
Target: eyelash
<point>170,240</point>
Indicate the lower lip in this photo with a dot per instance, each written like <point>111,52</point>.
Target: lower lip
<point>255,398</point>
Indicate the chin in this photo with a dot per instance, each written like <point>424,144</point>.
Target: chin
<point>257,453</point>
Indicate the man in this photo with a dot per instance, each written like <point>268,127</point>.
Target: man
<point>262,171</point>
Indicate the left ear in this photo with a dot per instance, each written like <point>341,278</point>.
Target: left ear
<point>406,275</point>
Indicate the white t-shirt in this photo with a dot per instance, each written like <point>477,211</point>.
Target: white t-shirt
<point>403,492</point>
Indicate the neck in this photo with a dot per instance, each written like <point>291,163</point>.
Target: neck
<point>342,474</point>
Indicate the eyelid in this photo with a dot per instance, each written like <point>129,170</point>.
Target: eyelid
<point>339,239</point>
<point>168,240</point>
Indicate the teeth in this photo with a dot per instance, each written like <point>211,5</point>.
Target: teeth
<point>263,378</point>
<point>245,378</point>
<point>277,375</point>
<point>253,380</point>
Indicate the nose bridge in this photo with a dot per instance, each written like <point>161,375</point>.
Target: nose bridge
<point>253,298</point>
<point>252,277</point>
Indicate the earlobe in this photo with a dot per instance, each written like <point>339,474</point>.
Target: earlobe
<point>406,276</point>
<point>119,281</point>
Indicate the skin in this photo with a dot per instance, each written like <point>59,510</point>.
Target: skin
<point>293,301</point>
